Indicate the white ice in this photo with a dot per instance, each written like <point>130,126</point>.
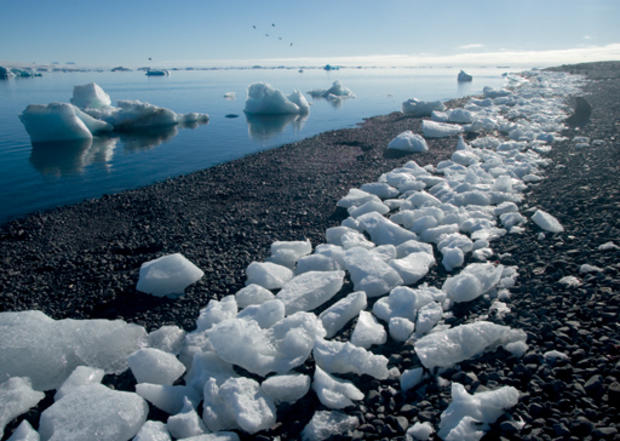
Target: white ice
<point>185,423</point>
<point>433,129</point>
<point>168,338</point>
<point>268,275</point>
<point>253,294</point>
<point>370,273</point>
<point>482,408</point>
<point>356,197</point>
<point>90,95</point>
<point>428,316</point>
<point>587,268</point>
<point>368,207</point>
<point>81,376</point>
<point>47,350</point>
<point>216,311</point>
<point>17,397</point>
<point>409,142</point>
<point>287,253</point>
<point>278,349</point>
<point>570,281</point>
<point>168,276</point>
<point>263,99</point>
<point>410,378</point>
<point>400,328</point>
<point>286,388</point>
<point>463,77</point>
<point>340,358</point>
<point>368,331</point>
<point>310,290</point>
<point>152,431</point>
<point>112,415</point>
<point>380,189</point>
<point>251,409</point>
<point>404,302</point>
<point>416,107</point>
<point>419,431</point>
<point>170,399</point>
<point>547,222</point>
<point>266,314</point>
<point>451,346</point>
<point>150,365</point>
<point>336,92</point>
<point>473,281</point>
<point>460,116</point>
<point>328,423</point>
<point>554,355</point>
<point>340,313</point>
<point>333,392</point>
<point>383,231</point>
<point>24,432</point>
<point>317,262</point>
<point>608,246</point>
<point>414,266</point>
<point>346,238</point>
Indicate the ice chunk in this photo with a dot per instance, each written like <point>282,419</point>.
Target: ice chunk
<point>383,231</point>
<point>336,92</point>
<point>170,399</point>
<point>587,268</point>
<point>346,238</point>
<point>413,246</point>
<point>215,436</point>
<point>403,302</point>
<point>452,258</point>
<point>206,365</point>
<point>333,392</point>
<point>547,222</point>
<point>298,98</point>
<point>369,207</point>
<point>90,95</point>
<point>368,331</point>
<point>215,413</point>
<point>410,378</point>
<point>16,396</point>
<point>336,316</point>
<point>132,115</point>
<point>473,281</point>
<point>468,416</point>
<point>370,273</point>
<point>608,246</point>
<point>47,351</point>
<point>380,189</point>
<point>185,423</point>
<point>59,122</point>
<point>93,409</point>
<point>409,142</point>
<point>167,338</point>
<point>413,267</point>
<point>150,365</point>
<point>253,294</point>
<point>446,348</point>
<point>310,290</point>
<point>570,281</point>
<point>460,116</point>
<point>266,314</point>
<point>554,355</point>
<point>253,411</point>
<point>356,197</point>
<point>24,432</point>
<point>81,376</point>
<point>268,275</point>
<point>489,92</point>
<point>286,253</point>
<point>152,431</point>
<point>278,349</point>
<point>337,357</point>
<point>325,424</point>
<point>216,311</point>
<point>415,107</point>
<point>428,316</point>
<point>317,262</point>
<point>265,100</point>
<point>286,388</point>
<point>464,77</point>
<point>419,431</point>
<point>168,276</point>
<point>400,328</point>
<point>464,157</point>
<point>433,129</point>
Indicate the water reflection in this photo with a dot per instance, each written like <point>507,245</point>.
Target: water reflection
<point>265,127</point>
<point>71,157</point>
<point>148,139</point>
<point>464,88</point>
<point>335,101</point>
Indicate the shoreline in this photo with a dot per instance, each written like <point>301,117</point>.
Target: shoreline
<point>224,217</point>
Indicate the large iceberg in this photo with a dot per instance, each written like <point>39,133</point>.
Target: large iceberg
<point>265,100</point>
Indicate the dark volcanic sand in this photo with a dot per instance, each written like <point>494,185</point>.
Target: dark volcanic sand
<point>82,262</point>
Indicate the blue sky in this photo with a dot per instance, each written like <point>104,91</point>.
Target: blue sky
<point>215,32</point>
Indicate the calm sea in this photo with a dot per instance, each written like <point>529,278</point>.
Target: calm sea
<point>35,178</point>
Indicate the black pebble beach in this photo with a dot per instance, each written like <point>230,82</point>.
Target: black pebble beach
<point>82,261</point>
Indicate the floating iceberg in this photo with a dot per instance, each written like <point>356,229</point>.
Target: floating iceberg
<point>157,73</point>
<point>336,92</point>
<point>468,416</point>
<point>464,77</point>
<point>408,142</point>
<point>168,276</point>
<point>5,73</point>
<point>416,107</point>
<point>265,100</point>
<point>449,347</point>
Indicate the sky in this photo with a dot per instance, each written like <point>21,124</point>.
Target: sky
<point>388,32</point>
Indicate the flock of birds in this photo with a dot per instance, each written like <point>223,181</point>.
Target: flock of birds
<point>268,35</point>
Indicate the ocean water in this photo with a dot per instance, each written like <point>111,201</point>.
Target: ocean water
<point>43,176</point>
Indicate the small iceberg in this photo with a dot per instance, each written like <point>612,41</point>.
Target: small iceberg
<point>416,107</point>
<point>335,93</point>
<point>433,129</point>
<point>157,73</point>
<point>464,77</point>
<point>263,99</point>
<point>408,141</point>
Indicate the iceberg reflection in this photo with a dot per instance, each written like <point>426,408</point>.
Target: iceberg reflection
<point>63,158</point>
<point>265,127</point>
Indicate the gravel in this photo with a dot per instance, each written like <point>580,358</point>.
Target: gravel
<point>82,261</point>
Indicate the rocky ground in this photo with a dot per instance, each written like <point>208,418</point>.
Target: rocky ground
<point>82,262</point>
